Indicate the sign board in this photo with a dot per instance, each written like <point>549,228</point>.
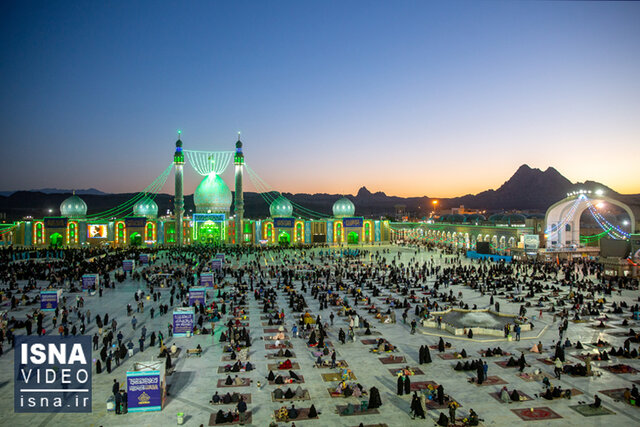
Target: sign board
<point>206,279</point>
<point>352,222</point>
<point>139,222</point>
<point>55,223</point>
<point>283,222</point>
<point>145,390</point>
<point>144,258</point>
<point>183,320</point>
<point>220,256</point>
<point>128,265</point>
<point>49,300</point>
<point>216,264</point>
<point>90,281</point>
<point>197,296</point>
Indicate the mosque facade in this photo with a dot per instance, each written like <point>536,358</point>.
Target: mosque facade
<point>210,224</point>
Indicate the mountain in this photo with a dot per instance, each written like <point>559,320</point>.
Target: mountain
<point>528,189</point>
<point>91,191</point>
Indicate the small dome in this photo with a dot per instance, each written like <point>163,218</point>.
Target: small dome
<point>146,207</point>
<point>343,208</point>
<point>496,218</point>
<point>476,218</point>
<point>455,218</point>
<point>514,219</point>
<point>281,207</point>
<point>73,207</point>
<point>212,195</point>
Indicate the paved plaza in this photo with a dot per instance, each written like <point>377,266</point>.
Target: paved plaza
<point>194,380</point>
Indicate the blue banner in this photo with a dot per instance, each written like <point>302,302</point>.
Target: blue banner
<point>90,281</point>
<point>216,264</point>
<point>283,222</point>
<point>352,222</point>
<point>128,265</point>
<point>183,322</point>
<point>144,391</point>
<point>197,296</point>
<point>206,279</point>
<point>378,233</point>
<point>48,300</point>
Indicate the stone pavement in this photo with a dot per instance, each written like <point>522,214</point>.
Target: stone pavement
<point>194,380</point>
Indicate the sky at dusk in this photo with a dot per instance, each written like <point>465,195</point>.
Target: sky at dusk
<point>411,98</point>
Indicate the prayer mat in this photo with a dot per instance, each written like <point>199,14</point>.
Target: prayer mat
<point>435,347</point>
<point>449,356</point>
<point>373,425</point>
<point>583,357</point>
<point>599,328</point>
<point>582,321</point>
<point>588,411</point>
<point>356,411</point>
<point>371,341</point>
<point>396,371</point>
<point>339,364</point>
<point>433,404</point>
<point>392,359</point>
<point>504,354</point>
<point>246,382</point>
<point>274,356</point>
<point>523,397</point>
<point>270,338</point>
<point>274,347</point>
<point>287,378</point>
<point>533,377</point>
<point>227,358</point>
<point>293,399</point>
<point>246,396</point>
<point>619,334</point>
<point>421,385</point>
<point>274,366</point>
<point>212,420</point>
<point>620,369</point>
<point>536,414</point>
<point>614,393</point>
<point>503,364</point>
<point>273,330</point>
<point>492,380</point>
<point>336,376</point>
<point>303,414</point>
<point>547,361</point>
<point>222,371</point>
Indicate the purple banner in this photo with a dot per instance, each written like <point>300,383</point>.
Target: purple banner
<point>55,223</point>
<point>216,264</point>
<point>206,279</point>
<point>48,300</point>
<point>283,222</point>
<point>89,281</point>
<point>144,258</point>
<point>144,391</point>
<point>182,323</point>
<point>135,222</point>
<point>128,265</point>
<point>197,296</point>
<point>352,222</point>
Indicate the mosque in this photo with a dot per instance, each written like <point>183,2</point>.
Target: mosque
<point>210,224</point>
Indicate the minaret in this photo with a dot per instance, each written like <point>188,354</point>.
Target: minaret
<point>238,161</point>
<point>178,160</point>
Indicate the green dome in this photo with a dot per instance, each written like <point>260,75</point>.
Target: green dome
<point>496,218</point>
<point>212,195</point>
<point>73,207</point>
<point>146,207</point>
<point>281,207</point>
<point>514,219</point>
<point>343,208</point>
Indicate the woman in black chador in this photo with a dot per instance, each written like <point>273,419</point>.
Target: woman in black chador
<point>374,398</point>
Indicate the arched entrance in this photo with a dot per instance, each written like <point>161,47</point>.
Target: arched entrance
<point>284,239</point>
<point>135,239</point>
<point>353,238</point>
<point>210,233</point>
<point>56,240</point>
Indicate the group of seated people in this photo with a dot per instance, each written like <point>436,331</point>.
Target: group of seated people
<point>233,381</point>
<point>285,414</point>
<point>349,389</point>
<point>556,392</point>
<point>383,346</point>
<point>289,394</point>
<point>279,379</point>
<point>507,397</point>
<point>490,352</point>
<point>275,321</point>
<point>632,396</point>
<point>224,417</point>
<point>283,352</point>
<point>225,399</point>
<point>239,367</point>
<point>285,365</point>
<point>468,366</point>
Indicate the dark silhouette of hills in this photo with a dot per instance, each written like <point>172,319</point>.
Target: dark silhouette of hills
<point>528,189</point>
<point>92,191</point>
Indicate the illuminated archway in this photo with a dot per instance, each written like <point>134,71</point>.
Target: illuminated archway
<point>284,238</point>
<point>353,238</point>
<point>56,240</point>
<point>135,239</point>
